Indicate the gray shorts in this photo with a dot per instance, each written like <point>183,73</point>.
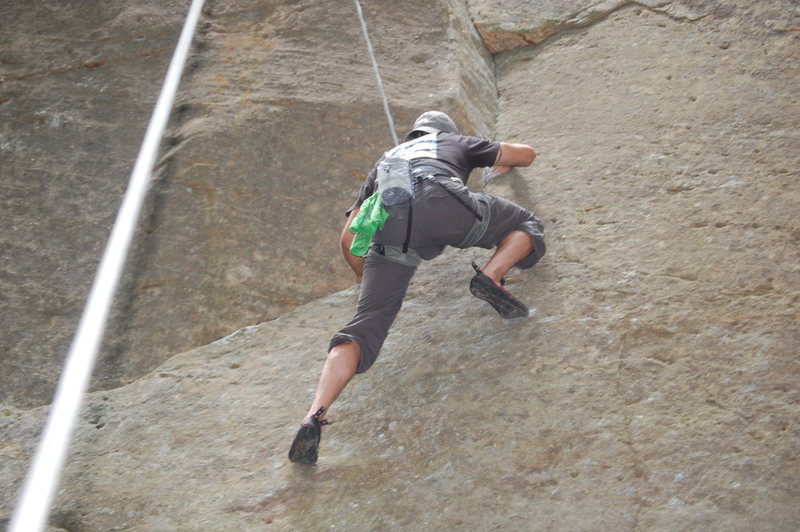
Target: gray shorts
<point>438,221</point>
<point>383,288</point>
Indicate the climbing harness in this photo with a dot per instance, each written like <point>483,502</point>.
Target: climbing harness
<point>424,175</point>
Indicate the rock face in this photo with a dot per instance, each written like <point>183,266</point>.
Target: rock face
<point>277,121</point>
<point>653,388</point>
<point>512,25</point>
<point>74,104</point>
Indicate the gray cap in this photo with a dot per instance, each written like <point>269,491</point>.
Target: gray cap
<point>433,121</point>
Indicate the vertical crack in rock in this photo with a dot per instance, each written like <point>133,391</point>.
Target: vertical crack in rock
<point>477,87</point>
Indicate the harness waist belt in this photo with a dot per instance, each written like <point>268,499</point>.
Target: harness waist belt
<point>432,178</point>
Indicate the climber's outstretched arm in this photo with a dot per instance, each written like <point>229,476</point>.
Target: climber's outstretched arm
<point>511,155</point>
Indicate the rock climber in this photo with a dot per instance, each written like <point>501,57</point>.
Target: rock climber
<point>441,212</point>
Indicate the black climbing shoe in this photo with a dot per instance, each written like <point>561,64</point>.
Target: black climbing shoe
<point>501,299</point>
<point>305,444</point>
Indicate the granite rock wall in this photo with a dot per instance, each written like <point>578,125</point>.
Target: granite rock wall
<point>654,386</point>
<point>277,121</point>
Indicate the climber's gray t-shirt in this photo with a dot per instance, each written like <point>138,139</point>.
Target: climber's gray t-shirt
<point>453,154</point>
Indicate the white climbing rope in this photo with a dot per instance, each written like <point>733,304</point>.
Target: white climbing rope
<point>377,72</point>
<point>34,505</point>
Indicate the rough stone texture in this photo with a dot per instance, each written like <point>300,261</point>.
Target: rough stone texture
<point>668,173</point>
<point>77,85</point>
<point>277,121</point>
<point>653,388</point>
<point>505,26</point>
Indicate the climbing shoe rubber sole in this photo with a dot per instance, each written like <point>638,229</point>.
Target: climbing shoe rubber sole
<point>498,297</point>
<point>306,443</point>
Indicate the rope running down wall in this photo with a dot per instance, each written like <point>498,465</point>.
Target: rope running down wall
<point>33,508</point>
<point>377,73</point>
